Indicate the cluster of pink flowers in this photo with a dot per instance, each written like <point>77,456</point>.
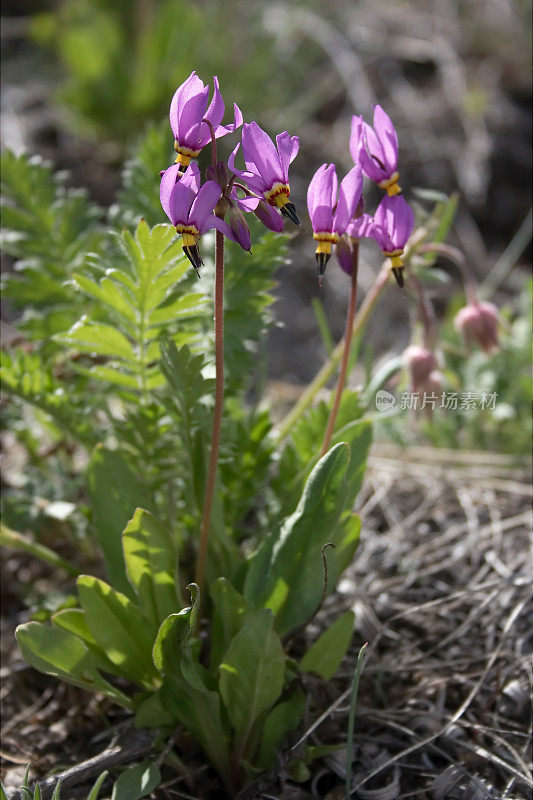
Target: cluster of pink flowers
<point>337,213</point>
<point>262,187</point>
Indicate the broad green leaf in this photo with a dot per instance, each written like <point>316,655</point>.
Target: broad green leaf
<point>95,791</point>
<point>345,538</point>
<point>115,490</point>
<point>252,673</point>
<point>74,620</point>
<point>325,655</point>
<point>136,782</point>
<point>288,574</point>
<point>230,612</point>
<point>99,338</point>
<point>59,653</point>
<point>172,637</point>
<point>152,565</point>
<point>283,718</point>
<point>200,712</point>
<point>120,629</point>
<point>151,712</point>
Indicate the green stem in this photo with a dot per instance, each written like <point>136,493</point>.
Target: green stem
<point>325,373</point>
<point>351,720</point>
<point>347,341</point>
<point>10,538</point>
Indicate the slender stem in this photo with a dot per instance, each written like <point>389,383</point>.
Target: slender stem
<point>327,370</point>
<point>348,336</point>
<point>217,416</point>
<point>457,257</point>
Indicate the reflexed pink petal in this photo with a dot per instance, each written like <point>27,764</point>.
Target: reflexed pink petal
<point>349,196</point>
<point>215,222</point>
<point>388,138</point>
<point>356,141</point>
<point>370,167</point>
<point>168,181</point>
<point>321,195</point>
<point>180,201</point>
<point>404,220</point>
<point>359,228</point>
<point>258,148</point>
<point>288,147</point>
<point>344,254</point>
<point>216,109</point>
<point>222,130</point>
<point>184,92</point>
<point>245,203</point>
<point>191,178</point>
<point>204,203</point>
<point>253,181</point>
<point>190,122</point>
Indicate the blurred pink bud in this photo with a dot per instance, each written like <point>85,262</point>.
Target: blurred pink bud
<point>478,324</point>
<point>422,364</point>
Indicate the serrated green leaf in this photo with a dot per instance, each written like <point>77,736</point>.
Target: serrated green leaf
<point>325,655</point>
<point>98,338</point>
<point>120,628</point>
<point>59,653</point>
<point>251,675</point>
<point>136,782</point>
<point>152,565</point>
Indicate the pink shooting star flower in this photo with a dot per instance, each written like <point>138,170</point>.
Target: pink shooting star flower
<point>188,109</point>
<point>478,324</point>
<point>267,167</point>
<point>376,149</point>
<point>391,227</point>
<point>331,209</point>
<point>190,208</point>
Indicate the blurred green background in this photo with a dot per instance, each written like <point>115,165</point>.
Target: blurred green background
<point>82,80</point>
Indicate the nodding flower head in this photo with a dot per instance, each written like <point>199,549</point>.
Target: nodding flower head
<point>422,366</point>
<point>391,228</point>
<point>478,324</point>
<point>267,166</point>
<point>376,149</point>
<point>331,209</point>
<point>188,109</point>
<point>190,208</point>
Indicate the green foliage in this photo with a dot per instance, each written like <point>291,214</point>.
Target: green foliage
<point>136,782</point>
<point>326,654</point>
<point>49,230</point>
<point>143,296</point>
<point>129,378</point>
<point>27,794</point>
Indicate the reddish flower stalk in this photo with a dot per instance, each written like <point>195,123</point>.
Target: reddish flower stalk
<point>348,336</point>
<point>219,398</point>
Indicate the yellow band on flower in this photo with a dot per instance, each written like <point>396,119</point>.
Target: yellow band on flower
<point>278,195</point>
<point>184,154</point>
<point>391,185</point>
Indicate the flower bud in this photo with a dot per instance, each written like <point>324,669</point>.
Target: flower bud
<point>478,324</point>
<point>421,363</point>
<point>239,227</point>
<point>218,173</point>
